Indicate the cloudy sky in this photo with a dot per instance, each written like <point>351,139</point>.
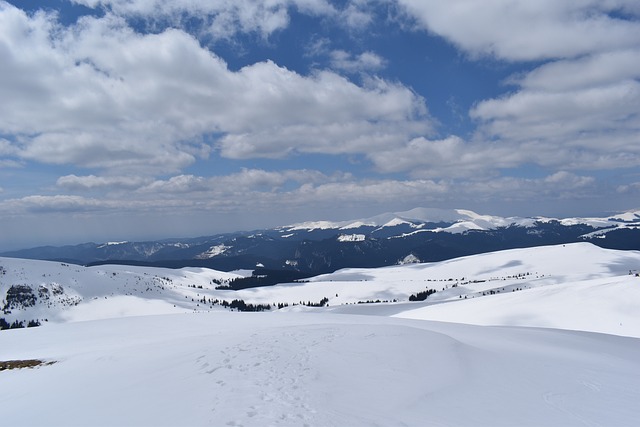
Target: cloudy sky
<point>136,119</point>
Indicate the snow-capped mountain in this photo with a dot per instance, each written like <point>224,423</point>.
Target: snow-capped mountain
<point>418,218</point>
<point>425,234</point>
<point>461,220</point>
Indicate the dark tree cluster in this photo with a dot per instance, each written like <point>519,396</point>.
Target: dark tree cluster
<point>264,277</point>
<point>322,303</point>
<point>16,324</point>
<point>421,296</point>
<point>240,305</point>
<point>19,296</point>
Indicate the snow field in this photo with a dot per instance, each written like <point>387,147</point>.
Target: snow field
<point>293,369</point>
<point>346,364</point>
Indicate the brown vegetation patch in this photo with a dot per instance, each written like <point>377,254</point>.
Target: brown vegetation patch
<point>19,364</point>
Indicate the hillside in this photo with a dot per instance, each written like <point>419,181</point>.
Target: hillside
<point>345,364</point>
<point>316,369</point>
<point>489,288</point>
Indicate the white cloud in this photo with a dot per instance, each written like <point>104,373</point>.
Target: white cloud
<point>580,110</point>
<point>57,203</point>
<point>221,18</point>
<point>600,69</point>
<point>591,123</point>
<point>99,95</point>
<point>6,148</point>
<point>236,185</point>
<point>449,157</point>
<point>92,182</point>
<point>631,188</point>
<point>357,15</point>
<point>569,180</point>
<point>258,187</point>
<point>364,62</point>
<point>530,30</point>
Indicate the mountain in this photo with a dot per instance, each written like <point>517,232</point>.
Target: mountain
<point>421,234</point>
<point>141,339</point>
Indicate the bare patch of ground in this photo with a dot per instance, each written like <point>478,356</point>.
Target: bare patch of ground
<point>20,364</point>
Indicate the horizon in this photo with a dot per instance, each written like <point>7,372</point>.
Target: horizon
<point>152,238</point>
<point>147,119</point>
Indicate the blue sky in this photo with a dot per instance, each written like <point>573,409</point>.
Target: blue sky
<point>144,119</point>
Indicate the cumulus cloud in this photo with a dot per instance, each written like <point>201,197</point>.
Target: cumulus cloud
<point>56,203</point>
<point>523,30</point>
<point>364,62</point>
<point>357,14</point>
<point>418,192</point>
<point>588,122</point>
<point>291,188</point>
<point>631,188</point>
<point>448,157</point>
<point>600,69</point>
<point>100,95</point>
<point>92,182</point>
<point>578,108</point>
<point>137,106</point>
<point>238,184</point>
<point>222,18</point>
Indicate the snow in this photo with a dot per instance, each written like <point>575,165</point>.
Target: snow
<point>213,251</point>
<point>602,233</point>
<point>397,221</point>
<point>409,259</point>
<point>599,305</point>
<point>357,224</point>
<point>316,225</point>
<point>554,340</point>
<point>294,369</point>
<point>351,238</point>
<point>631,216</point>
<point>459,227</point>
<point>467,220</point>
<point>147,290</point>
<point>113,244</point>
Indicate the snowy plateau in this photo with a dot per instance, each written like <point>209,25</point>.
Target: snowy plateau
<point>544,336</point>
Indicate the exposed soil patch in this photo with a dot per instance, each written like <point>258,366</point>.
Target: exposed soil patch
<point>19,364</point>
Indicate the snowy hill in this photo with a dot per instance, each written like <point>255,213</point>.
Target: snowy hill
<point>345,364</point>
<point>315,369</point>
<point>58,292</point>
<point>488,288</point>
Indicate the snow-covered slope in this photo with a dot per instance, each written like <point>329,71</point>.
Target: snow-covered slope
<point>608,305</point>
<point>315,369</point>
<point>346,364</point>
<point>564,286</point>
<point>57,292</point>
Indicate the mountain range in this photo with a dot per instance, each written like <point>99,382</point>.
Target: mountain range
<point>417,235</point>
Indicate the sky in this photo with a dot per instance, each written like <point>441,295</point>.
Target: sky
<point>146,119</point>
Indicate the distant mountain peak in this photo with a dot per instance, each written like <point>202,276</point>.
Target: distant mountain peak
<point>416,218</point>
